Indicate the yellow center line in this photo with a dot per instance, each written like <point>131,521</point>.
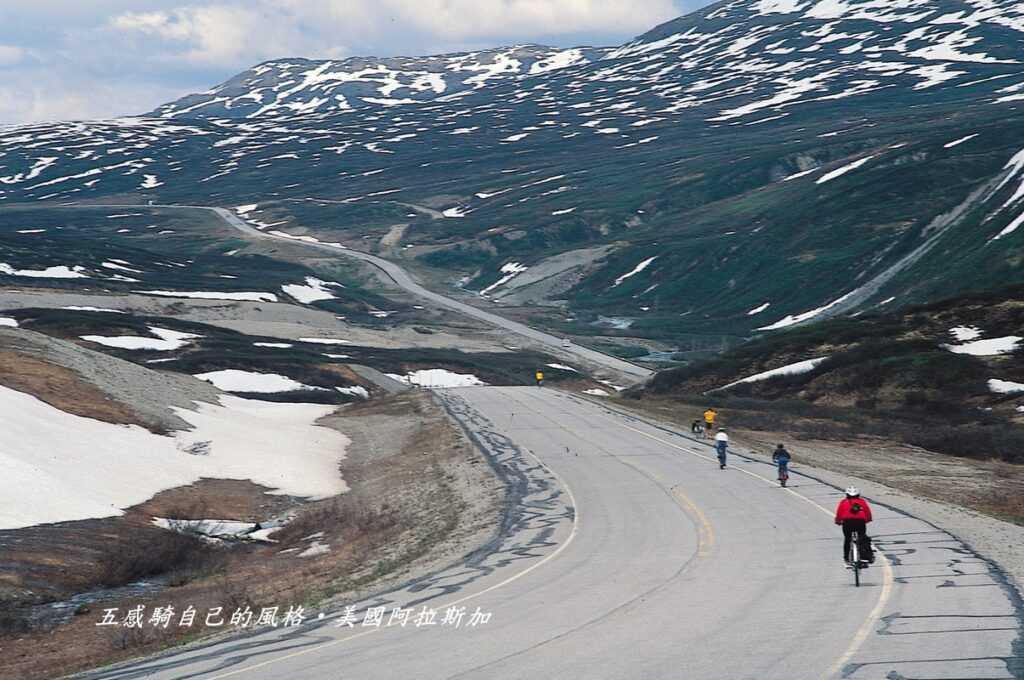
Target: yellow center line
<point>705,532</point>
<point>888,578</point>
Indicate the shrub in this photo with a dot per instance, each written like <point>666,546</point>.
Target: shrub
<point>153,553</point>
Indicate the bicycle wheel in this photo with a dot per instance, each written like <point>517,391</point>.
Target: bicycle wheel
<point>855,558</point>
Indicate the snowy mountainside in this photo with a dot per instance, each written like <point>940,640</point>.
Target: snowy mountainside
<point>769,162</point>
<point>296,86</point>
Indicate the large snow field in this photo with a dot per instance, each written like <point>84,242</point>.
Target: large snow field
<point>61,467</point>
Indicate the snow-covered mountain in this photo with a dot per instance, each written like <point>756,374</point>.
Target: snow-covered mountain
<point>295,86</point>
<point>771,161</point>
<point>753,59</point>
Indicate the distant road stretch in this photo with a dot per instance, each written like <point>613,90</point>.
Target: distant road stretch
<point>405,281</point>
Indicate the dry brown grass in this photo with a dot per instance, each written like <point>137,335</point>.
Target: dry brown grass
<point>62,388</point>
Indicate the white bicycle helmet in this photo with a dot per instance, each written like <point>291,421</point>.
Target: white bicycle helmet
<point>852,491</point>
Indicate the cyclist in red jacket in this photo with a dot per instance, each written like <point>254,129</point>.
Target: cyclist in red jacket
<point>853,514</point>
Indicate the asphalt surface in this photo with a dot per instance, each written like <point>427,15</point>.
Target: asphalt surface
<point>625,552</point>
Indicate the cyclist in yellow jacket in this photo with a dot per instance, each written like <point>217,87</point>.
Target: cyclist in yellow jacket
<point>709,421</point>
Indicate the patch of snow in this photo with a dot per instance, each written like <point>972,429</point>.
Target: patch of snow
<point>275,345</point>
<point>233,380</point>
<point>1010,228</point>
<point>218,528</point>
<point>800,318</point>
<point>636,270</point>
<point>798,175</point>
<point>326,341</point>
<point>596,392</point>
<point>313,291</point>
<point>778,6</point>
<point>457,211</point>
<point>1005,386</point>
<point>798,368</point>
<point>86,308</point>
<point>317,548</point>
<point>988,347</point>
<point>263,534</point>
<point>843,170</point>
<point>965,333</point>
<point>563,367</point>
<point>166,340</point>
<point>510,270</point>
<point>248,297</point>
<point>758,310</point>
<point>8,322</point>
<point>58,272</point>
<point>960,141</point>
<point>119,267</point>
<point>438,377</point>
<point>355,390</point>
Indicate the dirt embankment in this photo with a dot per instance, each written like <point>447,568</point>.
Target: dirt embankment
<point>420,497</point>
<point>96,385</point>
<point>61,388</point>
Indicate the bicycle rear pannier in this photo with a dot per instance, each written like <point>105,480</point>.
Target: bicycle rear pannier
<point>867,550</point>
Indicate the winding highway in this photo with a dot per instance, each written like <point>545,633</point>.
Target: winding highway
<point>625,553</point>
<point>630,371</point>
<point>405,281</point>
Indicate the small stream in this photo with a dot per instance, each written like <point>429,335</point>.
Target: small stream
<point>53,614</point>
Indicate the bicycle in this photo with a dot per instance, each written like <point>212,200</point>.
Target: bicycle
<point>855,562</point>
<point>783,475</point>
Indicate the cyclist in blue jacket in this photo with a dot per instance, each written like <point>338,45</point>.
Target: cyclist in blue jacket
<point>781,457</point>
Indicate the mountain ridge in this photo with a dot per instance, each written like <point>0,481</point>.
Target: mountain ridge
<point>755,159</point>
<point>299,85</point>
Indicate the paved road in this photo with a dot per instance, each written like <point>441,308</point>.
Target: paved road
<point>627,554</point>
<point>406,282</point>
